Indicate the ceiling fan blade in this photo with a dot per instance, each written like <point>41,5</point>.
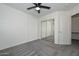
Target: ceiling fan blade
<point>46,7</point>
<point>31,7</point>
<point>39,3</point>
<point>35,4</point>
<point>38,11</point>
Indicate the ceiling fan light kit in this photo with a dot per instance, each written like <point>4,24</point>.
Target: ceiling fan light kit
<point>38,6</point>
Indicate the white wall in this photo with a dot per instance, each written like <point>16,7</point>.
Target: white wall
<point>62,27</point>
<point>16,27</point>
<point>74,10</point>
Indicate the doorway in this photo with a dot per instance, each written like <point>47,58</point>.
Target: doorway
<point>47,29</point>
<point>75,27</point>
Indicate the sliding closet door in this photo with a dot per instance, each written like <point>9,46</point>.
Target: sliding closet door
<point>49,28</point>
<point>52,27</point>
<point>43,29</point>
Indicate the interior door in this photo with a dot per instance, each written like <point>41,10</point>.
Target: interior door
<point>43,29</point>
<point>52,28</point>
<point>49,28</point>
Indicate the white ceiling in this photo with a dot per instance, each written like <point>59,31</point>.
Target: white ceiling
<point>54,7</point>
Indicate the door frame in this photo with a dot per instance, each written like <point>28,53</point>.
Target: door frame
<point>46,26</point>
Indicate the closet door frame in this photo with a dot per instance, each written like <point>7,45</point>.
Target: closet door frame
<point>41,28</point>
<point>46,26</point>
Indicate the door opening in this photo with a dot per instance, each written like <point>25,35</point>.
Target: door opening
<point>47,30</point>
<point>75,27</point>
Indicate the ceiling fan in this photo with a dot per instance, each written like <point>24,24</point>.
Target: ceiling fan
<point>38,6</point>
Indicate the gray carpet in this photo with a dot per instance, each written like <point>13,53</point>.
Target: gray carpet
<point>44,47</point>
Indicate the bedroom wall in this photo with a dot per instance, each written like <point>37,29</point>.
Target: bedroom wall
<point>62,28</point>
<point>16,27</point>
<point>74,10</point>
